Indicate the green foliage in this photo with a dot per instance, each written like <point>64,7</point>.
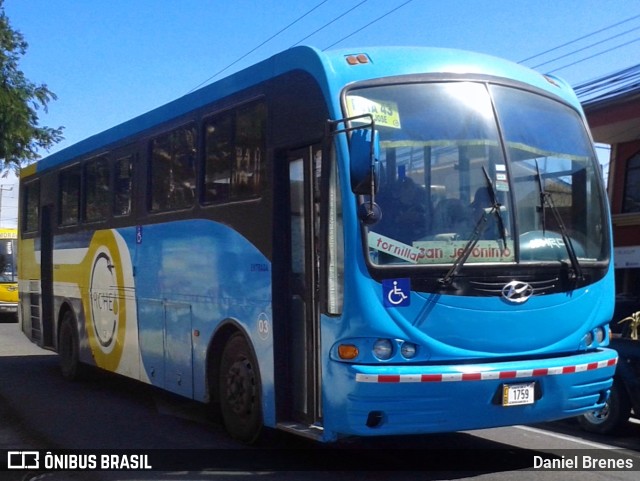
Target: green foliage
<point>20,101</point>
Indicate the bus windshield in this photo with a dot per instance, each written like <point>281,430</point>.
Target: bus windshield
<point>506,172</point>
<point>7,261</point>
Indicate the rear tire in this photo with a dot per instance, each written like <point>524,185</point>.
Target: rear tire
<point>240,391</point>
<point>613,416</point>
<point>69,349</point>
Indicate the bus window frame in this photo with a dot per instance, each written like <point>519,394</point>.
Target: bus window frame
<point>85,190</point>
<point>26,230</point>
<point>68,170</point>
<point>233,112</point>
<point>185,124</point>
<point>207,120</point>
<point>119,156</point>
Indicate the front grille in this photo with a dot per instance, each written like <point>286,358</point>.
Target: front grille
<point>494,287</point>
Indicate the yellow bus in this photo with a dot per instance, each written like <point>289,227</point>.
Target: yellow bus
<point>8,272</point>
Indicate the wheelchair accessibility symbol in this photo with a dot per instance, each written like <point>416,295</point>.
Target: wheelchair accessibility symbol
<point>396,292</point>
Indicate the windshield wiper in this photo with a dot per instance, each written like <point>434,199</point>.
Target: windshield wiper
<point>481,225</point>
<point>493,197</point>
<point>541,207</point>
<point>466,252</point>
<point>546,199</point>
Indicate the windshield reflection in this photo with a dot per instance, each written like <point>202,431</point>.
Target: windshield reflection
<point>443,168</point>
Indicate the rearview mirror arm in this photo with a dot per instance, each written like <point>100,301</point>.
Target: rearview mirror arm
<point>370,214</point>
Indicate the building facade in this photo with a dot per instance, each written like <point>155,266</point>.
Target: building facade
<point>615,120</point>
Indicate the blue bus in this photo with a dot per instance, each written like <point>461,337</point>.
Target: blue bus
<point>365,242</point>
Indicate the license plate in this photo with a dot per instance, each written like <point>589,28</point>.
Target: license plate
<point>518,394</point>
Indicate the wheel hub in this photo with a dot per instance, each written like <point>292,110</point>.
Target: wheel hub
<point>240,387</point>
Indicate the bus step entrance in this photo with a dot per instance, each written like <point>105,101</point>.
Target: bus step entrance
<point>312,431</point>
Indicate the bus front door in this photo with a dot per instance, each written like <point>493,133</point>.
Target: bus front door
<point>296,344</point>
<point>47,317</point>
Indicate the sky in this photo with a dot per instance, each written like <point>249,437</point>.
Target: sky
<point>111,60</point>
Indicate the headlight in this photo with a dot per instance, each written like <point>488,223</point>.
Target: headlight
<point>588,338</point>
<point>408,350</point>
<point>597,336</point>
<point>372,349</point>
<point>383,349</point>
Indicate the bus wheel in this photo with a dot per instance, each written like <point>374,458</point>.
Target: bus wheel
<point>240,393</point>
<point>69,350</point>
<point>612,416</point>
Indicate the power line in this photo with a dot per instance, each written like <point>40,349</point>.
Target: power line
<point>329,23</point>
<point>614,83</point>
<point>595,55</point>
<point>313,33</point>
<point>580,38</point>
<point>368,24</point>
<point>258,46</point>
<point>587,47</point>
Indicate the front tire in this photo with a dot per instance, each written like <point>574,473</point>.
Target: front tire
<point>612,416</point>
<point>240,391</point>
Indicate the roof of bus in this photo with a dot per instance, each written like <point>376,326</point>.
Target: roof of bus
<point>332,71</point>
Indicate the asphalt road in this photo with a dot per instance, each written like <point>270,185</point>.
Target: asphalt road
<point>39,410</point>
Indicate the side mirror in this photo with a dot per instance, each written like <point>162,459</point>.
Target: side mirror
<point>364,152</point>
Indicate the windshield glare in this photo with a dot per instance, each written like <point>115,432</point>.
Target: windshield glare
<point>445,180</point>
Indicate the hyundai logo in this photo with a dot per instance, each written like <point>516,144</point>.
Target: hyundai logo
<point>517,292</point>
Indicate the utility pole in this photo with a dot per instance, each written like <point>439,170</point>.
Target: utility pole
<point>2,191</point>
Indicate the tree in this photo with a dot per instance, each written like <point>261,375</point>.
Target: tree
<point>21,136</point>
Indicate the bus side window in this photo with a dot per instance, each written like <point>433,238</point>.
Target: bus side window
<point>173,171</point>
<point>70,196</point>
<point>122,191</point>
<point>248,163</point>
<point>31,204</point>
<point>217,158</point>
<point>234,154</point>
<point>96,192</point>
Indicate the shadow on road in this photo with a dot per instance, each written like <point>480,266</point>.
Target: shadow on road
<point>626,438</point>
<point>110,412</point>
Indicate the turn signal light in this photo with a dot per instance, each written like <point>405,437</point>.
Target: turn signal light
<point>347,351</point>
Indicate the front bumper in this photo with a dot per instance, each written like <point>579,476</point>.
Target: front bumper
<point>8,307</point>
<point>409,399</point>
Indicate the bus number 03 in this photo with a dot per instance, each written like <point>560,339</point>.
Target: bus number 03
<point>263,328</point>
